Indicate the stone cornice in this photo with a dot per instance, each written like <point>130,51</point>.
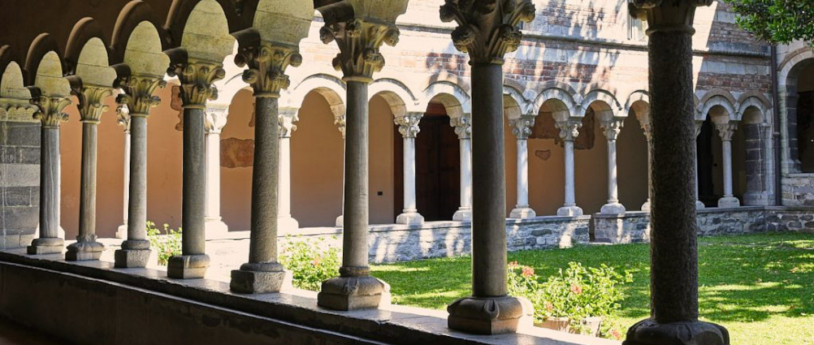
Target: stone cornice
<point>408,124</point>
<point>50,110</point>
<point>17,110</point>
<point>266,63</point>
<point>463,126</point>
<point>196,78</point>
<point>487,29</point>
<point>667,16</point>
<point>359,41</point>
<point>521,126</point>
<point>138,94</point>
<point>569,129</point>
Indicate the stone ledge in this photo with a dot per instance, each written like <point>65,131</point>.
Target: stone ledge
<point>214,307</point>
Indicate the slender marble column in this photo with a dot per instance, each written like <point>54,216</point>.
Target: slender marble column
<point>138,99</point>
<point>408,127</point>
<point>463,128</point>
<point>643,115</point>
<point>612,129</point>
<point>698,204</point>
<point>569,130</point>
<point>91,108</point>
<point>521,128</point>
<point>285,222</point>
<point>51,115</point>
<point>196,78</point>
<point>726,130</point>
<point>674,251</point>
<point>124,120</point>
<point>358,31</point>
<point>215,120</point>
<point>339,121</point>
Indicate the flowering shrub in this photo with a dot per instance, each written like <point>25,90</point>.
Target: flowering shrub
<point>167,244</point>
<point>310,264</point>
<point>575,294</point>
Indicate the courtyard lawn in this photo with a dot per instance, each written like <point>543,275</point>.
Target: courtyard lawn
<point>760,287</point>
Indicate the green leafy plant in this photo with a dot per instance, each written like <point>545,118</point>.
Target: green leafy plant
<point>779,21</point>
<point>166,243</point>
<point>575,294</point>
<point>310,262</point>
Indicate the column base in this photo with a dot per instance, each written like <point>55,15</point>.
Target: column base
<point>612,208</point>
<point>121,231</point>
<point>569,211</point>
<point>463,214</point>
<point>287,225</point>
<point>522,213</point>
<point>646,206</point>
<point>410,218</point>
<point>254,278</point>
<point>649,332</point>
<point>489,315</point>
<point>191,266</point>
<point>215,228</point>
<point>46,245</point>
<point>728,202</point>
<point>340,221</point>
<point>353,293</point>
<point>84,251</point>
<point>134,254</point>
<point>699,205</point>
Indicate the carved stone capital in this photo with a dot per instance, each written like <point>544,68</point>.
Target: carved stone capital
<point>698,125</point>
<point>196,78</point>
<point>666,16</point>
<point>123,117</point>
<point>463,126</point>
<point>50,110</point>
<point>266,64</point>
<point>359,41</point>
<point>215,117</point>
<point>487,29</point>
<point>17,110</point>
<point>569,129</point>
<point>91,102</point>
<point>644,121</point>
<point>138,94</point>
<point>408,124</point>
<point>521,127</point>
<point>286,122</point>
<point>339,122</point>
<point>726,130</point>
<point>612,128</point>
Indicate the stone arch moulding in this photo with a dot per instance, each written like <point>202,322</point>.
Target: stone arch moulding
<point>398,96</point>
<point>600,96</point>
<point>143,54</point>
<point>181,11</point>
<point>515,104</point>
<point>565,97</point>
<point>132,15</point>
<point>83,31</point>
<point>15,95</point>
<point>454,98</point>
<point>328,86</point>
<point>757,100</point>
<point>635,99</point>
<point>788,69</point>
<point>42,45</point>
<point>716,98</point>
<point>205,33</point>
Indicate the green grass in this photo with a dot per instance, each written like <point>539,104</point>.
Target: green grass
<point>760,287</point>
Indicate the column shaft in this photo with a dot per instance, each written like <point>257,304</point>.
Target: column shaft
<point>122,231</point>
<point>489,200</point>
<point>49,183</point>
<point>87,197</point>
<point>137,196</point>
<point>522,173</point>
<point>466,173</point>
<point>263,245</point>
<point>727,161</point>
<point>409,175</point>
<point>613,190</point>
<point>570,199</point>
<point>194,183</point>
<point>356,178</point>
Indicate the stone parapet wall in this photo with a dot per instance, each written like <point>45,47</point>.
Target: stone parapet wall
<point>19,182</point>
<point>798,190</point>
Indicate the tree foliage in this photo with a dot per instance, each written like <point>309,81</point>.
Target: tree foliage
<point>778,21</point>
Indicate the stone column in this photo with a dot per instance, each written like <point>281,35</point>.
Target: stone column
<point>285,222</point>
<point>196,78</point>
<point>359,29</point>
<point>726,130</point>
<point>521,128</point>
<point>91,107</point>
<point>698,204</point>
<point>487,33</point>
<point>611,128</point>
<point>408,127</point>
<point>51,115</point>
<point>123,117</point>
<point>215,120</point>
<point>644,120</point>
<point>463,128</point>
<point>674,251</point>
<point>569,130</point>
<point>339,121</point>
<point>138,98</point>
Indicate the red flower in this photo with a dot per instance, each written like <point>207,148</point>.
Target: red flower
<point>616,334</point>
<point>576,289</point>
<point>528,271</point>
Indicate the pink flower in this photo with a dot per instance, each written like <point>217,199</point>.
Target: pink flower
<point>513,265</point>
<point>528,271</point>
<point>616,334</point>
<point>316,261</point>
<point>576,289</point>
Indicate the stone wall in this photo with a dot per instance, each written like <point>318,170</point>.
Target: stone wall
<point>798,190</point>
<point>790,219</point>
<point>19,182</point>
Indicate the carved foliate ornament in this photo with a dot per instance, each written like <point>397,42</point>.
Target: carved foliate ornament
<point>138,94</point>
<point>667,15</point>
<point>487,29</point>
<point>123,117</point>
<point>726,130</point>
<point>408,124</point>
<point>569,129</point>
<point>463,126</point>
<point>50,110</point>
<point>196,81</point>
<point>91,102</point>
<point>521,127</point>
<point>215,118</point>
<point>612,128</point>
<point>266,66</point>
<point>17,110</point>
<point>287,126</point>
<point>359,41</point>
<point>339,122</point>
